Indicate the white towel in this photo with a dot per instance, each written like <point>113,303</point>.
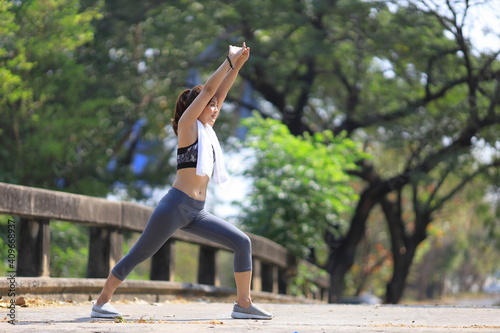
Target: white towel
<point>206,140</point>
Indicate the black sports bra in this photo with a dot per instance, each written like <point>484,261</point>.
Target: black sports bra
<point>187,157</point>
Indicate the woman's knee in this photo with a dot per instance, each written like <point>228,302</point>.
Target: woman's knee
<point>245,243</point>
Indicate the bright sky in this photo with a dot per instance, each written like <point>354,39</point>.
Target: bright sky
<point>235,189</point>
<point>485,26</point>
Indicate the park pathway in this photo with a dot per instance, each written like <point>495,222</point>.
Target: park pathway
<point>215,317</point>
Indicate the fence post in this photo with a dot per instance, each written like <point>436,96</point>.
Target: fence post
<point>33,248</point>
<point>282,281</point>
<point>105,249</point>
<point>269,274</point>
<point>207,266</point>
<point>163,262</point>
<point>257,275</point>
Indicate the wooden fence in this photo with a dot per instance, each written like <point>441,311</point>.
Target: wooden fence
<point>107,220</point>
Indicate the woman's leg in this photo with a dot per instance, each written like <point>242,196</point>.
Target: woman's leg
<point>243,281</point>
<point>219,231</point>
<point>165,220</point>
<point>112,282</point>
<point>222,232</point>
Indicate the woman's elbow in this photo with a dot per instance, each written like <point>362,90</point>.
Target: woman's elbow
<point>209,90</point>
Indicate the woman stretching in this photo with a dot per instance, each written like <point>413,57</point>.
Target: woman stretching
<point>198,158</point>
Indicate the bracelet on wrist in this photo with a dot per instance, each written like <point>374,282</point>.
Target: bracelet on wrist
<point>230,63</point>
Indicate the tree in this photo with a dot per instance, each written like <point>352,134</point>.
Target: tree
<point>459,252</point>
<point>300,189</point>
<point>97,92</point>
<point>445,157</point>
<point>343,67</point>
<point>41,90</point>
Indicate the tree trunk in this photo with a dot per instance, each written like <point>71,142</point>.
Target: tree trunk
<point>424,273</point>
<point>403,247</point>
<point>402,263</point>
<point>342,257</point>
<point>337,276</point>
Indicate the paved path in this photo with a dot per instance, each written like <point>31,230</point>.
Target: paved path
<point>215,317</point>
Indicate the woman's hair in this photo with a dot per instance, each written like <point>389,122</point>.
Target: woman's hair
<point>183,101</point>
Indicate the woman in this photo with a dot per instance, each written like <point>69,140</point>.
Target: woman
<point>198,157</point>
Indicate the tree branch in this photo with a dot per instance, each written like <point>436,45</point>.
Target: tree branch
<point>464,182</point>
<point>430,66</point>
<point>445,174</point>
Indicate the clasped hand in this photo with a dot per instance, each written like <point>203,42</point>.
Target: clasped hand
<point>237,53</point>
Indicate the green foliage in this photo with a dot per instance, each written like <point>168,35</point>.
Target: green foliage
<point>13,58</point>
<point>4,245</point>
<point>301,283</point>
<point>41,95</point>
<point>186,260</point>
<point>300,185</point>
<point>69,243</point>
<point>460,251</point>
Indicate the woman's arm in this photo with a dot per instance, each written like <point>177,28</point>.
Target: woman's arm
<point>228,81</point>
<point>188,118</point>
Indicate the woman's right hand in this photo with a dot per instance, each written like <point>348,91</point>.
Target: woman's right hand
<point>236,51</point>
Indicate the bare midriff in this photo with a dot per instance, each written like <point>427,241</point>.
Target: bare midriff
<point>193,185</point>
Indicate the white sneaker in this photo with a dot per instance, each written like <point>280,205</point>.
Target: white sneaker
<point>104,311</point>
<point>253,312</point>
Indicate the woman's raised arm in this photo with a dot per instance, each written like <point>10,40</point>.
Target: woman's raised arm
<point>227,82</point>
<point>188,118</point>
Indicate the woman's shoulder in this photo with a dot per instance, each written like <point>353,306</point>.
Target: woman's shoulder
<point>186,136</point>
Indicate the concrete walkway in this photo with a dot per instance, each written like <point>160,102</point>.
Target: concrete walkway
<point>215,317</point>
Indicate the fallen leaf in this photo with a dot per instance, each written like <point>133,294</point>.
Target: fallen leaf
<point>21,302</point>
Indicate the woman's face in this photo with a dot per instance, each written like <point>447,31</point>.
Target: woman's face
<point>210,113</point>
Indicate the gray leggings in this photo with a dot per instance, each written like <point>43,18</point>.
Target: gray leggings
<point>176,210</point>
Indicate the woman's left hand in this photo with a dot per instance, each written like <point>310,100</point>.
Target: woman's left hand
<point>235,51</point>
<point>244,55</point>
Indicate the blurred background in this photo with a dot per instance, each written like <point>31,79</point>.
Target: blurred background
<point>361,135</point>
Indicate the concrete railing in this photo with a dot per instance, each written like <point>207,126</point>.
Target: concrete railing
<point>107,220</point>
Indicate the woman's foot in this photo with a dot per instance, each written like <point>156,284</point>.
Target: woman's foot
<point>104,311</point>
<point>252,312</point>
